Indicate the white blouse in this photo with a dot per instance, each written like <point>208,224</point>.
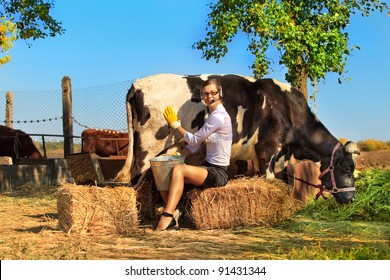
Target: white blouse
<point>217,133</point>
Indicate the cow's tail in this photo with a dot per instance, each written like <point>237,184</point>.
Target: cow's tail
<point>124,175</point>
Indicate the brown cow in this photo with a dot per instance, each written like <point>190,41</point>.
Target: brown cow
<point>17,144</point>
<point>105,142</point>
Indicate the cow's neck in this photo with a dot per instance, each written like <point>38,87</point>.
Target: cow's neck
<point>315,145</point>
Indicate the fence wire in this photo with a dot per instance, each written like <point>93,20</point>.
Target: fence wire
<point>40,112</point>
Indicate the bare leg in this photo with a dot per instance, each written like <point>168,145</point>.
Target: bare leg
<point>164,196</point>
<point>181,173</point>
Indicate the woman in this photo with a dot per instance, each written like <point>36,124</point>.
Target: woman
<point>217,134</point>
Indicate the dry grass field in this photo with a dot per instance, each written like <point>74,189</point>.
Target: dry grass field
<point>29,230</point>
<point>374,159</point>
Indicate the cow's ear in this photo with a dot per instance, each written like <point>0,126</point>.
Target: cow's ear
<point>352,148</point>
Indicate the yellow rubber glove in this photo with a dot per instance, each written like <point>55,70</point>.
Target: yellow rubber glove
<point>171,117</point>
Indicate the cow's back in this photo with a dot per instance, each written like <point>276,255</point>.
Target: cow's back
<point>105,142</point>
<point>17,144</point>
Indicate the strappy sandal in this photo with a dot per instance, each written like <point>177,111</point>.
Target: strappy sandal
<point>172,223</point>
<point>177,215</point>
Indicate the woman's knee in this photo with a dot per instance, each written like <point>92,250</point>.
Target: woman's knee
<point>177,170</point>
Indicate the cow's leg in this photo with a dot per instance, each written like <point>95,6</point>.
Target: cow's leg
<point>265,154</point>
<point>262,166</point>
<point>140,179</point>
<point>247,168</point>
<point>277,164</point>
<point>270,170</point>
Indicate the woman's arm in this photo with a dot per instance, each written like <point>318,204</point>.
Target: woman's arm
<point>214,122</point>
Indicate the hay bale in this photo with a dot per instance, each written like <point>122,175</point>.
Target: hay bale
<point>242,202</point>
<point>90,209</point>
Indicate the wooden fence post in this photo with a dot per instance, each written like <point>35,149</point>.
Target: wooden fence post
<point>67,115</point>
<point>9,109</point>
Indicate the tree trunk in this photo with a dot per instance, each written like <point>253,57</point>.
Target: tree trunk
<point>299,76</point>
<point>301,82</point>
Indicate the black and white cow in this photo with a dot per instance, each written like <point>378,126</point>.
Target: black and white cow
<point>271,123</point>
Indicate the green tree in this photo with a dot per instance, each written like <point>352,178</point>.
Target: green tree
<point>26,20</point>
<point>310,35</point>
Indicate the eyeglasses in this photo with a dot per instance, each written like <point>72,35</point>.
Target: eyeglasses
<point>212,93</point>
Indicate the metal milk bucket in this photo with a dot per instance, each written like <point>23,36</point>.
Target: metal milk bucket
<point>162,170</point>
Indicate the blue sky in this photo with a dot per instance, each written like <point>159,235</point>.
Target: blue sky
<point>125,40</point>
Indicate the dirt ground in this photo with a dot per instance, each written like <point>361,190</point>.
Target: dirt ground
<point>374,159</point>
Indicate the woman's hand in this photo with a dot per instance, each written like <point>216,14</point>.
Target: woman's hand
<point>171,117</point>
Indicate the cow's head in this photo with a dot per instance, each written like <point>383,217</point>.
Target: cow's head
<point>26,147</point>
<point>337,172</point>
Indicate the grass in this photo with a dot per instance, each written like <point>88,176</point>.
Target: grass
<point>372,200</point>
<point>323,230</point>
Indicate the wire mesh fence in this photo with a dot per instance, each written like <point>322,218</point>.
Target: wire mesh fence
<point>40,112</point>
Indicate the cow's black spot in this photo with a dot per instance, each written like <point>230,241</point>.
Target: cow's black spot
<point>196,100</point>
<point>194,83</point>
<point>137,102</point>
<point>199,120</point>
<point>162,132</point>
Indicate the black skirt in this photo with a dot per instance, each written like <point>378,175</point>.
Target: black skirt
<point>217,176</point>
